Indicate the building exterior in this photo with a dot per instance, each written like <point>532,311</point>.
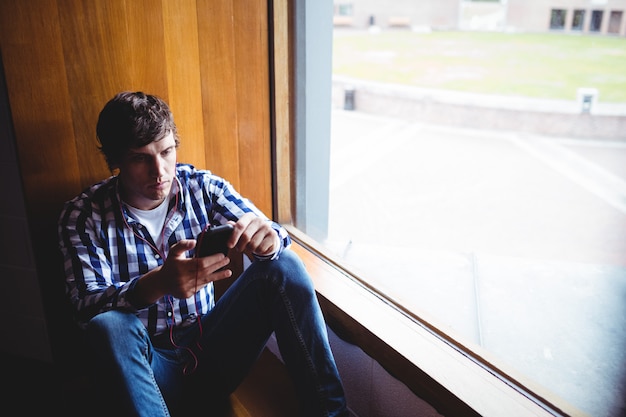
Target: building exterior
<point>572,16</point>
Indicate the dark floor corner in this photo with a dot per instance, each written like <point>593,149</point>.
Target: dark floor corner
<point>34,388</point>
<point>30,386</point>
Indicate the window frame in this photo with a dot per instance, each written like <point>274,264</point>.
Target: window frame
<point>442,371</point>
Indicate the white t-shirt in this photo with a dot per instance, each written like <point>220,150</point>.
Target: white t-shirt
<point>153,220</point>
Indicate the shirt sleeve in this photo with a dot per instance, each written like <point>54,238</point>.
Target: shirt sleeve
<point>90,283</point>
<point>230,205</point>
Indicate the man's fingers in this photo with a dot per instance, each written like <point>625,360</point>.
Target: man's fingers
<point>240,226</point>
<point>212,263</point>
<point>178,249</point>
<point>223,274</point>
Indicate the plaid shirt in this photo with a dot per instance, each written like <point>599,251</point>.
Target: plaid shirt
<point>105,250</point>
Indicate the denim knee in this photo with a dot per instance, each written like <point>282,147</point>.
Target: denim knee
<point>112,322</point>
<point>288,268</point>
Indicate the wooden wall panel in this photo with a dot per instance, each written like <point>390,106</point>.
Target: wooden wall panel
<point>109,47</point>
<point>182,56</point>
<point>64,59</point>
<point>207,58</point>
<point>253,81</point>
<point>235,73</point>
<point>219,92</point>
<point>34,65</point>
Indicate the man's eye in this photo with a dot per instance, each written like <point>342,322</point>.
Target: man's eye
<point>139,158</point>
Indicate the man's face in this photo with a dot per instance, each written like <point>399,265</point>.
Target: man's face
<point>146,174</point>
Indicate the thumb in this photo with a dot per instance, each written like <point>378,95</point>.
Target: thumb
<point>178,249</point>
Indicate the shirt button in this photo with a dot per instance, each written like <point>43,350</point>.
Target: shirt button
<point>169,314</point>
<point>157,256</point>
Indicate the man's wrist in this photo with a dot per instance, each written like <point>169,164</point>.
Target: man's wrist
<point>144,292</point>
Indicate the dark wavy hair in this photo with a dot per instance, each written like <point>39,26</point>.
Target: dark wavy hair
<point>131,120</point>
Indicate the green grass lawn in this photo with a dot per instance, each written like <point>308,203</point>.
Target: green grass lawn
<point>550,65</point>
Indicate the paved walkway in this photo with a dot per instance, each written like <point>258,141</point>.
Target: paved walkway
<point>513,242</point>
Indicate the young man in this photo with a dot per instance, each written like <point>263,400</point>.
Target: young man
<point>158,343</point>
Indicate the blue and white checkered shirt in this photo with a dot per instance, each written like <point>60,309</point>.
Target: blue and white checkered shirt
<point>105,250</point>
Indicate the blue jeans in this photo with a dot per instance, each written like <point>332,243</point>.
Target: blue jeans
<point>147,375</point>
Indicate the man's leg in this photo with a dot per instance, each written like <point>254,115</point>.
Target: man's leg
<point>272,296</point>
<point>127,367</point>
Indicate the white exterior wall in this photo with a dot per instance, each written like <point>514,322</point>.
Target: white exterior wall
<point>506,15</point>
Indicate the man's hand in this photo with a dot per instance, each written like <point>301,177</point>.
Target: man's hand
<point>255,235</point>
<point>182,277</point>
<point>179,275</point>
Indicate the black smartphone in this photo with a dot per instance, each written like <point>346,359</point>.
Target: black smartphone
<point>213,240</point>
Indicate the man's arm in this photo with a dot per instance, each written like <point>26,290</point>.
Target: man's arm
<point>90,281</point>
<point>255,233</point>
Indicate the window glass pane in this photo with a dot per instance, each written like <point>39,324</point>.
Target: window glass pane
<point>344,9</point>
<point>578,20</point>
<point>596,21</point>
<point>478,178</point>
<point>615,21</point>
<point>557,20</point>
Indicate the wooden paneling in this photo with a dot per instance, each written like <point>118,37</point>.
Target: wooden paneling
<point>182,54</point>
<point>64,59</point>
<point>106,48</point>
<point>252,66</point>
<point>219,93</point>
<point>209,59</point>
<point>235,74</point>
<point>37,85</point>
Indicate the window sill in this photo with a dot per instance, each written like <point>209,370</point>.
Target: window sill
<point>439,372</point>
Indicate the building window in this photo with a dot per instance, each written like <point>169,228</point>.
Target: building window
<point>595,25</point>
<point>557,19</point>
<point>343,9</point>
<point>578,20</point>
<point>615,22</point>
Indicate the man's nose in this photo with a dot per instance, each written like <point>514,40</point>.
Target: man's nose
<point>158,167</point>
